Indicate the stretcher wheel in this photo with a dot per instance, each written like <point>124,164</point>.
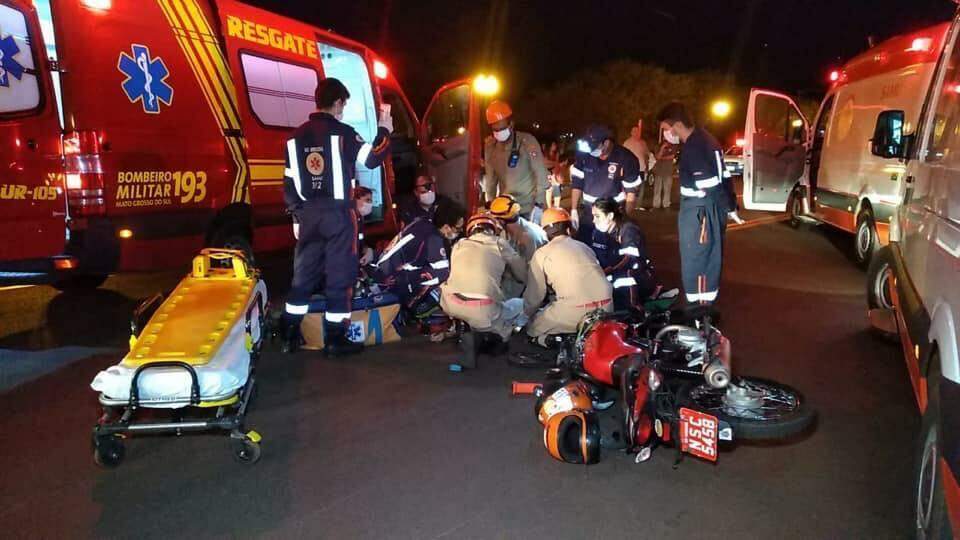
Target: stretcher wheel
<point>108,450</point>
<point>246,451</point>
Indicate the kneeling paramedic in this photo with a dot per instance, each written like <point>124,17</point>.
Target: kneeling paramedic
<point>571,269</point>
<point>602,169</point>
<point>621,250</point>
<point>704,204</point>
<point>320,166</point>
<point>415,263</point>
<point>478,265</point>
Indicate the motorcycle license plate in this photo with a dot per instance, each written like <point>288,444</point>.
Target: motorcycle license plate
<point>699,433</point>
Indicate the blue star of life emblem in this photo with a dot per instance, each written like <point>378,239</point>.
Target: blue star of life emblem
<point>355,332</point>
<point>9,65</point>
<point>146,79</point>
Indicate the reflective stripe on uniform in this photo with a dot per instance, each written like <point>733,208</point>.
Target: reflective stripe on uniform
<point>440,264</point>
<point>704,297</point>
<point>708,183</point>
<point>688,192</point>
<point>633,184</point>
<point>363,153</point>
<point>293,172</point>
<point>632,250</point>
<point>390,253</point>
<point>589,198</point>
<point>620,197</point>
<point>624,282</point>
<point>409,267</point>
<point>295,309</point>
<point>336,317</point>
<point>575,172</point>
<point>434,281</point>
<point>337,164</point>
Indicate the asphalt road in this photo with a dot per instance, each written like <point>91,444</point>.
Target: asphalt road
<point>392,445</point>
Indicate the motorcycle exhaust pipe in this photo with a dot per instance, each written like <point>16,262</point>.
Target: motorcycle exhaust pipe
<point>717,375</point>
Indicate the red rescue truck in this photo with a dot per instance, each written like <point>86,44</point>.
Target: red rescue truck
<point>133,132</point>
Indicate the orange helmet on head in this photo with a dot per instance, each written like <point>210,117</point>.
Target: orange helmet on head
<point>505,207</point>
<point>552,216</point>
<point>483,221</point>
<point>497,111</point>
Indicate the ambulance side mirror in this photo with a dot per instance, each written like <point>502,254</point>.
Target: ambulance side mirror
<point>888,140</point>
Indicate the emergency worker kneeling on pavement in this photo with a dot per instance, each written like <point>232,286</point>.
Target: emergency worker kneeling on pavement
<point>321,162</point>
<point>513,163</point>
<point>602,169</point>
<point>524,235</point>
<point>621,250</point>
<point>415,262</point>
<point>478,264</point>
<point>570,268</point>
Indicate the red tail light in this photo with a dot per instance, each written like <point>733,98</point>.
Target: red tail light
<point>85,194</point>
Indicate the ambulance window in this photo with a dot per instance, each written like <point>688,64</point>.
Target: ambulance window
<point>281,94</point>
<point>19,87</point>
<point>944,136</point>
<point>449,114</point>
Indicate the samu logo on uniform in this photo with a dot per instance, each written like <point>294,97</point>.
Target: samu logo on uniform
<point>146,79</point>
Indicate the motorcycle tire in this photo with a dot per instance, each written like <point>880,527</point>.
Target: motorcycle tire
<point>795,417</point>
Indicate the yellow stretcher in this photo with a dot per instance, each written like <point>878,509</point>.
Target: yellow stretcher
<point>196,352</point>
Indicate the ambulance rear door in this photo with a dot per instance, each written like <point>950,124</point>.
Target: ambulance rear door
<point>451,134</point>
<point>775,152</point>
<point>32,202</point>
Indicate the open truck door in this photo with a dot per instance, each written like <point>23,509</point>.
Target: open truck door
<point>452,140</point>
<point>32,199</point>
<point>775,150</point>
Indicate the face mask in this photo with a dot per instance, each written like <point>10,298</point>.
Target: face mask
<point>365,209</point>
<point>428,198</point>
<point>671,137</point>
<point>502,135</point>
<point>603,226</point>
<point>452,236</point>
<point>596,153</point>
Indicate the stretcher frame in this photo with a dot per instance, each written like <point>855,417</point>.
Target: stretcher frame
<point>119,416</point>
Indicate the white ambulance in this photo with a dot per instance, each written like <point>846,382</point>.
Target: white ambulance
<point>829,174</point>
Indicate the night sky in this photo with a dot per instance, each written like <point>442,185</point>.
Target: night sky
<point>787,45</point>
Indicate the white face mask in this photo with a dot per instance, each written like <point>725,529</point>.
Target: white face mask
<point>366,208</point>
<point>428,198</point>
<point>671,137</point>
<point>603,225</point>
<point>502,135</point>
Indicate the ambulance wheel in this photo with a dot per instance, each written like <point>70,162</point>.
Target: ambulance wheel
<point>930,508</point>
<point>795,209</point>
<point>108,450</point>
<point>79,282</point>
<point>878,281</point>
<point>234,239</point>
<point>246,451</point>
<point>865,240</point>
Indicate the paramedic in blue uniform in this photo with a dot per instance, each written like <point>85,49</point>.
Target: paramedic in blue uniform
<point>321,161</point>
<point>621,250</point>
<point>704,203</point>
<point>602,169</point>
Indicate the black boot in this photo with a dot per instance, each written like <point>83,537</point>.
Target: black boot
<point>335,342</point>
<point>290,337</point>
<point>468,347</point>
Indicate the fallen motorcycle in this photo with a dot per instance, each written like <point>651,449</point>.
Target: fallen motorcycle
<point>666,382</point>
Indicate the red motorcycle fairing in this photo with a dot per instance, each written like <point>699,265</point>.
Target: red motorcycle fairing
<point>606,344</point>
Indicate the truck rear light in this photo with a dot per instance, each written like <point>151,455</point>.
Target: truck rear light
<point>84,173</point>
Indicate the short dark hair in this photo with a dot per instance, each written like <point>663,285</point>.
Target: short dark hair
<point>362,191</point>
<point>562,228</point>
<point>675,112</point>
<point>448,212</point>
<point>329,91</point>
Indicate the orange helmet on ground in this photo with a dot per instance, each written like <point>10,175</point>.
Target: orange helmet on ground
<point>497,111</point>
<point>483,220</point>
<point>552,216</point>
<point>505,207</point>
<point>574,395</point>
<point>573,437</point>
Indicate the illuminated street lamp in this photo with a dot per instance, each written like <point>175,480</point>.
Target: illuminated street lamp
<point>486,85</point>
<point>720,109</point>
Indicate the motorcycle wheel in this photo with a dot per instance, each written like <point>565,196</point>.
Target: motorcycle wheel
<point>766,410</point>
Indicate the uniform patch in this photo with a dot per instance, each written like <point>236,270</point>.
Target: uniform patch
<point>315,163</point>
<point>146,79</point>
<point>612,168</point>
